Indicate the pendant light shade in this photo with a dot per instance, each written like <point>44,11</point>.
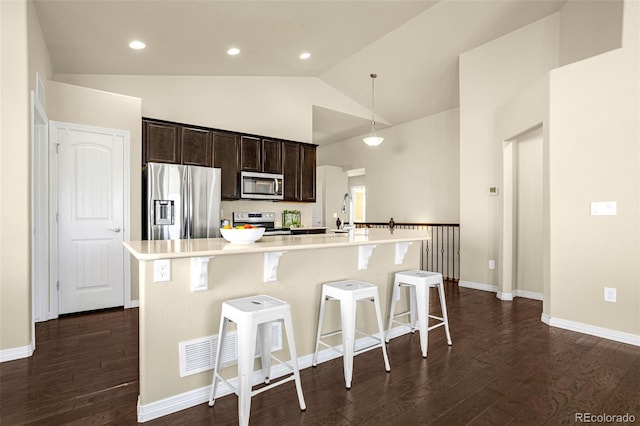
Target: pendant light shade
<point>373,139</point>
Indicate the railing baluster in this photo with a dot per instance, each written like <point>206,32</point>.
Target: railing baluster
<point>441,252</point>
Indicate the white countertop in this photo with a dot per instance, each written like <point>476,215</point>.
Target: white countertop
<point>167,249</point>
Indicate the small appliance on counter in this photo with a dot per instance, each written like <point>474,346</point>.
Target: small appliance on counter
<point>261,186</point>
<point>261,219</point>
<point>291,219</point>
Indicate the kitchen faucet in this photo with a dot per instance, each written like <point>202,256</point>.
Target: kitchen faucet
<point>346,197</point>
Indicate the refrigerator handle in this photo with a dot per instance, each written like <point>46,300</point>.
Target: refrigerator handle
<point>186,196</point>
<point>190,202</point>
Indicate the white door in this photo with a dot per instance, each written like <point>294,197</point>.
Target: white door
<point>90,219</point>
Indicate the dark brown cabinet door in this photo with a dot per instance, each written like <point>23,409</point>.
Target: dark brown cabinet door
<point>161,143</point>
<point>291,170</point>
<point>307,173</point>
<point>226,156</point>
<point>271,156</point>
<point>196,146</point>
<point>250,154</point>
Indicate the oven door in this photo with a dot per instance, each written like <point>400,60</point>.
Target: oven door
<point>261,186</point>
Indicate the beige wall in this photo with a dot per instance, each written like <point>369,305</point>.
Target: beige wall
<point>589,114</point>
<point>588,28</point>
<point>413,175</point>
<point>594,128</point>
<point>490,77</point>
<point>80,105</point>
<point>39,60</point>
<point>527,110</point>
<point>279,107</point>
<point>15,270</point>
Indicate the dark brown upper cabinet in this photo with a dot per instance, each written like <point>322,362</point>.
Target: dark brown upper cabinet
<point>197,146</point>
<point>291,170</point>
<point>308,173</point>
<point>176,143</point>
<point>271,156</point>
<point>250,154</point>
<point>226,156</point>
<point>299,170</point>
<point>161,142</point>
<point>260,155</point>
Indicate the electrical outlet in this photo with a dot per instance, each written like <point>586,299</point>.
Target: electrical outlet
<point>492,264</point>
<point>161,270</point>
<point>609,294</point>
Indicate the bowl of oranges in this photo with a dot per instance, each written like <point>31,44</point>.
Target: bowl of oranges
<point>244,234</point>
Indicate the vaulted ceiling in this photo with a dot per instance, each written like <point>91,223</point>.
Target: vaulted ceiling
<point>413,46</point>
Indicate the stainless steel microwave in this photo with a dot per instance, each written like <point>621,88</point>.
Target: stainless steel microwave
<point>261,186</point>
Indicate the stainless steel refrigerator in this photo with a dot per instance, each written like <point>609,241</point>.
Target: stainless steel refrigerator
<point>182,202</point>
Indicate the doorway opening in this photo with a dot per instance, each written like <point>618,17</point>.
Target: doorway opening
<point>522,265</point>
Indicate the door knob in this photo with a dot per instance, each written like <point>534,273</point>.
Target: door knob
<point>116,229</point>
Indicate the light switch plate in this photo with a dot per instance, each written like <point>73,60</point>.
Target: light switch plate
<point>609,294</point>
<point>603,208</point>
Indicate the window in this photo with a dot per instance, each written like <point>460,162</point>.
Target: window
<point>359,202</point>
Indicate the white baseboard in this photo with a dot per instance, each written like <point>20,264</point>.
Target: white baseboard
<point>545,318</point>
<point>478,286</point>
<point>605,333</point>
<point>500,295</point>
<point>507,297</point>
<point>134,304</point>
<point>16,353</point>
<point>527,294</point>
<point>194,397</point>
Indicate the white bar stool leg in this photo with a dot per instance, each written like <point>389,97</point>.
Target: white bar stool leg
<point>395,294</point>
<point>414,310</point>
<point>264,334</point>
<point>443,308</point>
<point>320,322</point>
<point>376,302</point>
<point>288,326</point>
<point>216,369</point>
<point>422,296</point>
<point>246,335</point>
<point>348,316</point>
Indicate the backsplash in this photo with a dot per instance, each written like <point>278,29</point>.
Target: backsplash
<point>306,209</point>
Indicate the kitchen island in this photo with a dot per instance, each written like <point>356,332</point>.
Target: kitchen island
<point>179,317</point>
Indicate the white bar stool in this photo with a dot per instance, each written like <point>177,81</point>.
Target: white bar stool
<point>419,283</point>
<point>253,315</point>
<point>349,292</point>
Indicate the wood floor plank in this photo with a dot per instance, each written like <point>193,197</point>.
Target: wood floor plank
<point>505,367</point>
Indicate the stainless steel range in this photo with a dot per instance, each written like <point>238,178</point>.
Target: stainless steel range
<point>264,219</point>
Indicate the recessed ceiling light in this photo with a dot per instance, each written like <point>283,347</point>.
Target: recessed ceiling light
<point>233,51</point>
<point>137,45</point>
<point>305,55</point>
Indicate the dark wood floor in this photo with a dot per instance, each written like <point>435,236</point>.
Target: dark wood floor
<point>505,367</point>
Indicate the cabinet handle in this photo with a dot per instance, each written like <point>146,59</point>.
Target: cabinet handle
<point>116,229</point>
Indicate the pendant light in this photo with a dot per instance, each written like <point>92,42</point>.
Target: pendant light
<point>373,139</point>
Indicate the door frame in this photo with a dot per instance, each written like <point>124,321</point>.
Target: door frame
<point>39,212</point>
<point>508,243</point>
<point>52,289</point>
